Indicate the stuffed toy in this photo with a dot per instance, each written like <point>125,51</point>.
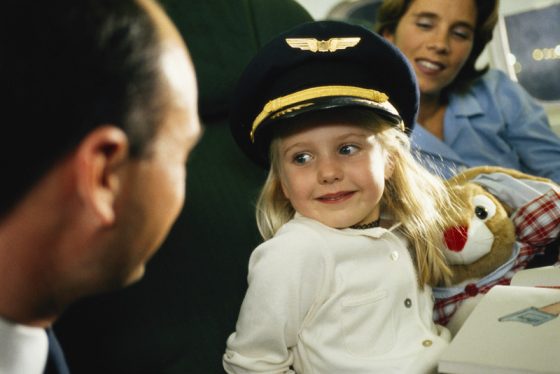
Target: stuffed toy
<point>505,218</point>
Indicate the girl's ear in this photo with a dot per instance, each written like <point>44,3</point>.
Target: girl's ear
<point>284,189</point>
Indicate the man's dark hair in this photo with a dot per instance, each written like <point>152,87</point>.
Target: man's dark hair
<point>67,67</point>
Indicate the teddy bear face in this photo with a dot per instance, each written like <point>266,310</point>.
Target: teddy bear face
<point>483,237</point>
<point>461,246</point>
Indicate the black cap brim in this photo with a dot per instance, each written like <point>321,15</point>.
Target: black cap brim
<point>352,59</point>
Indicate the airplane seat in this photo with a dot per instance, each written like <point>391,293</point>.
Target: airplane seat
<point>178,317</point>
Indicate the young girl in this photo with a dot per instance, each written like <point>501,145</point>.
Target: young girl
<point>352,223</point>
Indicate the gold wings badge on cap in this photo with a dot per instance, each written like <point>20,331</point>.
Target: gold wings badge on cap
<point>314,45</point>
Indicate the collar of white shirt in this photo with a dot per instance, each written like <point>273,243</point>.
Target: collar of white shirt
<point>23,349</point>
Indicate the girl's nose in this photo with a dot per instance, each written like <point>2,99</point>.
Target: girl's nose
<point>329,172</point>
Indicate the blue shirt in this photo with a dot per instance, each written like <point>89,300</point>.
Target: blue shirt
<point>494,123</point>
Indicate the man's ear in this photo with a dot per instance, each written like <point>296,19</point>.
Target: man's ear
<point>97,161</point>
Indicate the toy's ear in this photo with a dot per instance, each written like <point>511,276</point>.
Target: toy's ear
<point>471,173</point>
<point>513,188</point>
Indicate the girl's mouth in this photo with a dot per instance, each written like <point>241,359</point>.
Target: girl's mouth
<point>337,197</point>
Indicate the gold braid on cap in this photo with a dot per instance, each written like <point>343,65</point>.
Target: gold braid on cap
<point>281,103</point>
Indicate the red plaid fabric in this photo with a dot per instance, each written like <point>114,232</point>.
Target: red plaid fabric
<point>537,223</point>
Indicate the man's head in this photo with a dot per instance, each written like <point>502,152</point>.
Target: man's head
<point>99,111</point>
<point>154,180</point>
<point>67,67</point>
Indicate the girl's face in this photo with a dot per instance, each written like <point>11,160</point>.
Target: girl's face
<point>437,38</point>
<point>334,173</point>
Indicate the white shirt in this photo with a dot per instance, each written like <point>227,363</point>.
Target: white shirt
<point>23,349</point>
<point>323,301</point>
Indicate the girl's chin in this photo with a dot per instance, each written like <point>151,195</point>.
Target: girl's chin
<point>336,223</point>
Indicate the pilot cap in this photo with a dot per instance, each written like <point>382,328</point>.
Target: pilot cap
<point>316,66</point>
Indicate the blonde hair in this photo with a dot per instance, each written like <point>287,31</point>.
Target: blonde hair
<point>414,197</point>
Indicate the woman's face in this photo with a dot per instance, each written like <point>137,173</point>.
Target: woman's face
<point>334,173</point>
<point>437,37</point>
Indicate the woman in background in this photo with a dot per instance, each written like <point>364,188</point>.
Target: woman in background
<point>467,117</point>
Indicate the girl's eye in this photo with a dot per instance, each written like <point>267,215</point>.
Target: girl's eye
<point>348,149</point>
<point>302,158</point>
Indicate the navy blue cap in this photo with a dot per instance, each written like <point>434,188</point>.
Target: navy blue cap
<point>319,66</point>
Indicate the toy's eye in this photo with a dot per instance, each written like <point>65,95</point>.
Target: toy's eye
<point>484,208</point>
<point>481,212</point>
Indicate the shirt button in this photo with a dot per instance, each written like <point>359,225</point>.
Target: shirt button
<point>394,255</point>
<point>427,343</point>
<point>407,303</point>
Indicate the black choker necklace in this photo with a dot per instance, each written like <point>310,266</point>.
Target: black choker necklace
<point>366,225</point>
